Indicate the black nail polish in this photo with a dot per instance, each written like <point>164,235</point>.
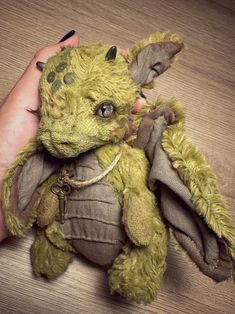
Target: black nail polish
<point>142,95</point>
<point>67,36</point>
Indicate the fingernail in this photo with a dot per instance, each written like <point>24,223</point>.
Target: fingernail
<point>67,36</point>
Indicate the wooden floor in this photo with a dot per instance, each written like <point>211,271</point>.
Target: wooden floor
<point>203,80</point>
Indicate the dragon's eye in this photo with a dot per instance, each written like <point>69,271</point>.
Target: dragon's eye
<point>105,109</point>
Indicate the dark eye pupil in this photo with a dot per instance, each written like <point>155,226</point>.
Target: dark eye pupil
<point>105,110</point>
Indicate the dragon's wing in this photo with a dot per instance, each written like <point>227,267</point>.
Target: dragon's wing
<point>30,169</point>
<point>189,196</point>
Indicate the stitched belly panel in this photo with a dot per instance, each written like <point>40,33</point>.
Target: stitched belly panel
<point>93,219</point>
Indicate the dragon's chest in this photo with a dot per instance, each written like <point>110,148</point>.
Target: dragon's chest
<point>93,221</point>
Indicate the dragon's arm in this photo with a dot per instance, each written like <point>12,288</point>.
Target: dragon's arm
<point>20,194</point>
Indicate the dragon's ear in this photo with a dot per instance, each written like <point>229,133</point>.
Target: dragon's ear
<point>153,56</point>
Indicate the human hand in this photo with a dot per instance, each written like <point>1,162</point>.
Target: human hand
<point>17,125</point>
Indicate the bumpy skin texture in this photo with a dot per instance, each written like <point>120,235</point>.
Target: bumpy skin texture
<point>75,84</point>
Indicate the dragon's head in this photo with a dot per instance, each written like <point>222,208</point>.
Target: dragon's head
<point>87,93</point>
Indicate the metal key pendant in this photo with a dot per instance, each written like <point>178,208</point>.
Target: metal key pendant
<point>62,206</point>
<point>62,190</point>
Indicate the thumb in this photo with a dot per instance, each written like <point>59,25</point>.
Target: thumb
<point>70,39</point>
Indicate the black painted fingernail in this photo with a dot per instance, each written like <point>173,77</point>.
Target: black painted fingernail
<point>142,95</point>
<point>67,36</point>
<point>40,65</point>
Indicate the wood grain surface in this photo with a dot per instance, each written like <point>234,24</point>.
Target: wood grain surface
<point>203,80</point>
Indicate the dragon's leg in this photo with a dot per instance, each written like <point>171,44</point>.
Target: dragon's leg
<point>137,272</point>
<point>12,214</point>
<point>50,253</point>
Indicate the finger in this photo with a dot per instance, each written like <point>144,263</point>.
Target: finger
<point>140,102</point>
<point>138,105</point>
<point>123,52</point>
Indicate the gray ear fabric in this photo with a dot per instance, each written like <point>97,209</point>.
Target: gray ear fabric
<point>158,67</point>
<point>153,60</point>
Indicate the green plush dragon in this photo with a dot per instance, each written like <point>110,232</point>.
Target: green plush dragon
<point>89,192</point>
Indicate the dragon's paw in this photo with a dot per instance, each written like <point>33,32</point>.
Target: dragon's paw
<point>134,276</point>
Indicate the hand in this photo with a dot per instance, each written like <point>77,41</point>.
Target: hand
<point>17,125</point>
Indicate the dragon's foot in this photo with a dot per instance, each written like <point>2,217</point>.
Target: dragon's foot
<point>47,259</point>
<point>137,272</point>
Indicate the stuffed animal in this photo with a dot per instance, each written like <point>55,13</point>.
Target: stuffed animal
<point>89,192</point>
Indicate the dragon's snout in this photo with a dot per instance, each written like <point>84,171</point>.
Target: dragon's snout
<point>66,146</point>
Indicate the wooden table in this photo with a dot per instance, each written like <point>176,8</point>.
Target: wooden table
<point>203,80</point>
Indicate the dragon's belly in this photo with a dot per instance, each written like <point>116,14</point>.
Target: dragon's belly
<point>93,221</point>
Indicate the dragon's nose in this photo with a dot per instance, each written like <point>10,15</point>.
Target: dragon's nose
<point>62,145</point>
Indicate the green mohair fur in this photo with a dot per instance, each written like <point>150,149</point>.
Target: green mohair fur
<point>14,226</point>
<point>137,273</point>
<point>95,81</point>
<point>46,258</point>
<point>200,180</point>
<point>56,236</point>
<point>137,220</point>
